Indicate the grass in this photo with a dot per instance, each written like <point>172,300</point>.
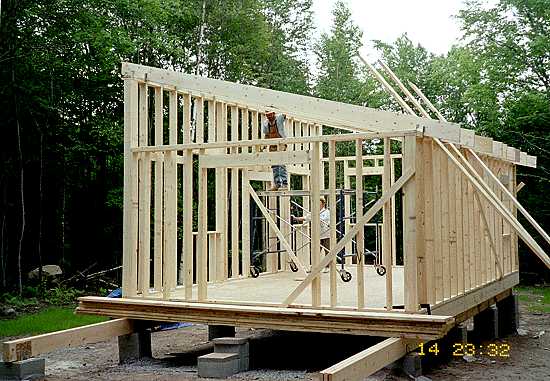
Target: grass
<point>48,320</point>
<point>536,298</point>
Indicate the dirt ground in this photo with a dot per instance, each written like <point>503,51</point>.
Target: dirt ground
<point>298,356</point>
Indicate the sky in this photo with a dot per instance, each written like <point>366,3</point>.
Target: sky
<point>428,22</point>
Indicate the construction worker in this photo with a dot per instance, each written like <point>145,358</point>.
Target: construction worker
<point>324,217</point>
<point>273,128</point>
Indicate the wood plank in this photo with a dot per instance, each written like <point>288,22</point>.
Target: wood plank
<point>27,347</point>
<point>170,203</point>
<point>186,127</point>
<point>315,221</point>
<point>254,159</point>
<point>459,220</point>
<point>221,199</point>
<point>445,241</point>
<point>438,241</point>
<point>131,211</point>
<point>234,197</point>
<point>158,179</point>
<point>420,212</point>
<point>144,237</point>
<point>427,188</point>
<point>333,211</point>
<point>349,235</point>
<point>387,226</point>
<point>187,249</point>
<point>202,238</point>
<point>360,238</point>
<point>369,361</point>
<point>316,110</point>
<point>453,266</point>
<point>199,124</point>
<point>295,319</point>
<point>245,237</point>
<point>409,228</point>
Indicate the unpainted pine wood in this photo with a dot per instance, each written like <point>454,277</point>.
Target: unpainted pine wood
<point>186,118</point>
<point>158,179</point>
<point>245,237</point>
<point>473,236</point>
<point>202,239</point>
<point>170,202</point>
<point>479,239</point>
<point>347,210</point>
<point>24,348</point>
<point>459,214</point>
<point>409,227</point>
<point>360,239</point>
<point>187,252</point>
<point>514,236</point>
<point>131,211</point>
<point>315,206</point>
<point>452,230</point>
<point>419,221</point>
<point>272,258</point>
<point>284,203</point>
<point>386,226</point>
<point>445,233</point>
<point>212,252</point>
<point>211,121</point>
<point>393,217</point>
<point>199,107</point>
<point>333,211</point>
<point>438,239</point>
<point>221,197</point>
<point>427,189</point>
<point>465,237</point>
<point>144,238</point>
<point>234,197</point>
<point>245,128</point>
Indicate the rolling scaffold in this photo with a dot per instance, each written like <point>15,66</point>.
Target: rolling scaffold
<point>257,227</point>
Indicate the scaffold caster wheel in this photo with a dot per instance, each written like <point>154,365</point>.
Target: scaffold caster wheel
<point>293,267</point>
<point>345,275</point>
<point>381,270</point>
<point>254,271</point>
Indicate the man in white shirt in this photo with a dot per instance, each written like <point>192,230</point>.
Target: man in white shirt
<point>324,217</point>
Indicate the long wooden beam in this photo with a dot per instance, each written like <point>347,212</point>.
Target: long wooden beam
<point>349,236</point>
<point>314,110</point>
<point>386,324</point>
<point>239,160</point>
<point>372,359</point>
<point>516,203</point>
<point>21,349</point>
<point>222,143</point>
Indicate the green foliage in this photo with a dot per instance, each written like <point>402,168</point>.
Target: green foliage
<point>48,320</point>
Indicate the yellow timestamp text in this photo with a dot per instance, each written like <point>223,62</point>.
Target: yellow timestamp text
<point>468,349</point>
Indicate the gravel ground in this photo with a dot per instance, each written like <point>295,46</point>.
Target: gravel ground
<point>297,356</point>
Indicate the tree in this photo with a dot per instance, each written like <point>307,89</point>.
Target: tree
<point>338,68</point>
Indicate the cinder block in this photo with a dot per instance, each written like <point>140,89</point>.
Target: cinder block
<point>412,364</point>
<point>234,345</point>
<point>218,365</point>
<point>486,324</point>
<point>508,315</point>
<point>30,369</point>
<point>134,346</point>
<point>215,331</point>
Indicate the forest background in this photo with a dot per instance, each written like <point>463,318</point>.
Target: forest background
<point>61,99</point>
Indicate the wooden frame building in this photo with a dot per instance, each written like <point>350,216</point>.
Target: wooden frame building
<point>195,164</point>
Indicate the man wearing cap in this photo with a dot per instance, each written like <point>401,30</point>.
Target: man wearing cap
<point>324,216</point>
<point>273,128</point>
